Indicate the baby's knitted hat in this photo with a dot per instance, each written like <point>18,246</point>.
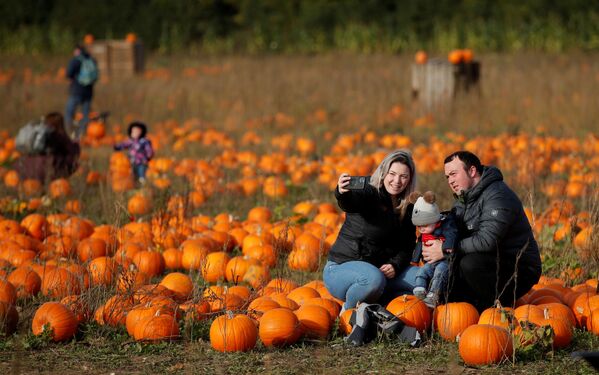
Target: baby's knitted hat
<point>426,210</point>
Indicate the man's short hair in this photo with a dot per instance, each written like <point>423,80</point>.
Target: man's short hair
<point>468,158</point>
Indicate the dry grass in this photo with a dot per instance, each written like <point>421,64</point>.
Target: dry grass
<point>518,92</point>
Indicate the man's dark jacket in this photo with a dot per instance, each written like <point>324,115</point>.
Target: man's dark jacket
<point>373,232</point>
<point>75,88</point>
<point>490,218</point>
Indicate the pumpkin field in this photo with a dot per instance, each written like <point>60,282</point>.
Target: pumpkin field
<point>214,265</point>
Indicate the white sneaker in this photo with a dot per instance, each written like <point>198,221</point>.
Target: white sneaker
<point>419,292</point>
<point>431,300</point>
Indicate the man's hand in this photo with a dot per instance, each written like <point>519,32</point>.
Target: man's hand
<point>432,251</point>
<point>387,270</point>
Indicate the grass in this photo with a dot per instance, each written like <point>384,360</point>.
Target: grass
<point>115,352</point>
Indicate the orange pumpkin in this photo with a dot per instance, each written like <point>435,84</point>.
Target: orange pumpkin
<point>279,327</point>
<point>233,333</point>
<point>58,318</point>
<point>412,311</point>
<point>482,344</point>
<point>452,318</point>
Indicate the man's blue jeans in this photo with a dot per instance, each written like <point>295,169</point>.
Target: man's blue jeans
<point>358,281</point>
<point>72,103</point>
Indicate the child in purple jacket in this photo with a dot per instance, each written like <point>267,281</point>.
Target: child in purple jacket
<point>139,149</point>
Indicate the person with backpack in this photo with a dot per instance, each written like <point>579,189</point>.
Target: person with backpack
<point>83,73</point>
<point>47,152</point>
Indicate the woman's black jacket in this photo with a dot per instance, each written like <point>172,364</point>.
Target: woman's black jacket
<point>373,232</point>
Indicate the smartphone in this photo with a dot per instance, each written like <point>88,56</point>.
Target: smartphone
<point>357,182</point>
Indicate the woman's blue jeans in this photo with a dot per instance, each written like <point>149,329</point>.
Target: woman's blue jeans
<point>358,281</point>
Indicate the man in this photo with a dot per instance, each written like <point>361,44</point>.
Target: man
<point>82,71</point>
<point>497,257</point>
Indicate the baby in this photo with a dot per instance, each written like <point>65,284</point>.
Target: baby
<point>432,225</point>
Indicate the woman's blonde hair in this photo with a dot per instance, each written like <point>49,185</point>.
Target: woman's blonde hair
<point>376,180</point>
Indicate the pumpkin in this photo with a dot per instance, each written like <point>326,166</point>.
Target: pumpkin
<point>498,316</point>
<point>8,292</point>
<point>241,291</point>
<point>593,322</point>
<point>131,38</point>
<point>88,39</point>
<point>131,279</point>
<point>344,321</point>
<point>91,248</point>
<point>455,56</point>
<point>420,57</point>
<point>302,294</point>
<point>59,282</point>
<point>35,225</point>
<point>483,344</point>
<point>215,266</point>
<point>412,311</point>
<point>139,204</point>
<point>256,275</point>
<point>562,329</point>
<point>172,259</point>
<point>259,214</point>
<point>233,333</point>
<point>58,318</point>
<point>157,327</point>
<point>332,306</point>
<point>179,283</point>
<point>226,302</point>
<point>102,271</point>
<point>260,305</point>
<point>60,188</point>
<point>282,284</point>
<point>265,253</point>
<point>452,318</point>
<point>149,262</point>
<point>283,301</point>
<point>138,313</point>
<point>115,309</point>
<point>279,327</point>
<point>9,318</point>
<point>26,281</point>
<point>78,306</point>
<point>315,321</point>
<point>303,260</point>
<point>197,311</point>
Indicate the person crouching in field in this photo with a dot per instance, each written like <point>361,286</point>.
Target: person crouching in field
<point>59,157</point>
<point>497,257</point>
<point>431,279</point>
<point>139,149</point>
<point>370,259</point>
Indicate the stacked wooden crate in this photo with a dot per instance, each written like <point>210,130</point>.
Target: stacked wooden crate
<point>118,58</point>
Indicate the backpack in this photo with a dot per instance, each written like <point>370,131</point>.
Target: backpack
<point>33,138</point>
<point>88,72</point>
<point>371,321</point>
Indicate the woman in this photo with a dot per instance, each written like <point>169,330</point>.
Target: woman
<point>61,156</point>
<point>371,257</point>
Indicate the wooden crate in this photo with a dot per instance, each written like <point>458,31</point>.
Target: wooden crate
<point>118,58</point>
<point>437,82</point>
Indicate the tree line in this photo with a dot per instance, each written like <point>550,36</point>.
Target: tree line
<point>306,26</point>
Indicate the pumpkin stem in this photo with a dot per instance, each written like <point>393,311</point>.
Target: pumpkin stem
<point>229,314</point>
<point>546,313</point>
